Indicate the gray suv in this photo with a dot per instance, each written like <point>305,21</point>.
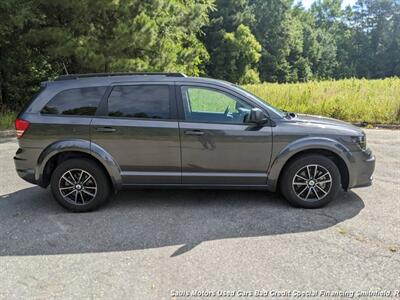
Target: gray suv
<point>88,135</point>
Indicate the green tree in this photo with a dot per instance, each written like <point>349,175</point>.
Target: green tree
<point>228,27</point>
<point>237,58</point>
<point>327,12</point>
<point>376,38</point>
<point>134,35</point>
<point>274,30</point>
<point>21,66</point>
<point>329,30</point>
<point>40,39</point>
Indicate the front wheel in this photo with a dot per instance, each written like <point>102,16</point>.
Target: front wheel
<point>311,181</point>
<point>80,185</point>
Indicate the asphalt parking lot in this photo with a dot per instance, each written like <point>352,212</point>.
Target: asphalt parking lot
<point>150,244</point>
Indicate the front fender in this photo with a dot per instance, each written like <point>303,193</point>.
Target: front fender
<point>84,146</point>
<point>304,144</point>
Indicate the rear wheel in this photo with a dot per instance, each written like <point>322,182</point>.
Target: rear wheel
<point>80,185</point>
<point>311,181</point>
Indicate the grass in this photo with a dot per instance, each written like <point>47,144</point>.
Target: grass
<point>352,100</point>
<point>7,119</point>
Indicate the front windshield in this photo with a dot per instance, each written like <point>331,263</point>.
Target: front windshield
<point>264,102</point>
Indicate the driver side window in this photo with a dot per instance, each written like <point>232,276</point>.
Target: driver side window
<point>210,105</point>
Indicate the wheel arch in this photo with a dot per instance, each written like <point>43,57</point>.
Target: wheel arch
<point>340,155</point>
<point>65,149</point>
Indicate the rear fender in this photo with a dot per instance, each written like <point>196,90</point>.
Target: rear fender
<point>84,146</point>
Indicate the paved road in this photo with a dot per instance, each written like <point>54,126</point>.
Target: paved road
<point>145,244</point>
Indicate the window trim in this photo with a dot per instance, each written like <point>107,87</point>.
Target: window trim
<point>181,108</point>
<point>70,89</point>
<point>102,111</point>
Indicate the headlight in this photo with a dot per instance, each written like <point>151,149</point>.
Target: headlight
<point>361,141</point>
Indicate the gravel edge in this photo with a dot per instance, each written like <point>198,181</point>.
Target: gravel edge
<point>7,133</point>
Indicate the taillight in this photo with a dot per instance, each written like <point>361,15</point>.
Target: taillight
<point>21,126</point>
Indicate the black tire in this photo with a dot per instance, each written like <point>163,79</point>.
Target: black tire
<point>315,195</point>
<point>98,185</point>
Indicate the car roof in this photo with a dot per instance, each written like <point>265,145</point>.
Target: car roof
<point>105,79</point>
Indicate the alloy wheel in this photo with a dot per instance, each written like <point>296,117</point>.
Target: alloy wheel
<point>312,183</point>
<point>77,186</point>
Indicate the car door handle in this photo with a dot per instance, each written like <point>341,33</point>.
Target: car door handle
<point>194,132</point>
<point>105,129</point>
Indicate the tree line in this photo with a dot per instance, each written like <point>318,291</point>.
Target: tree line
<point>242,41</point>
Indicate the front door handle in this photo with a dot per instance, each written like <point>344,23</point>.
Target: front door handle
<point>194,132</point>
<point>106,129</point>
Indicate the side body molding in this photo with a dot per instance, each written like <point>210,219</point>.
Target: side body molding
<point>84,146</point>
<point>303,144</point>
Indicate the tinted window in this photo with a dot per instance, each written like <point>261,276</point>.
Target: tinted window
<point>83,101</point>
<point>140,101</point>
<point>204,104</point>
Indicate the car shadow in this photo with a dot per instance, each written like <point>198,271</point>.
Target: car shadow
<point>32,223</point>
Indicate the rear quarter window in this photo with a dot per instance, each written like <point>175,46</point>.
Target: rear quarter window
<point>79,101</point>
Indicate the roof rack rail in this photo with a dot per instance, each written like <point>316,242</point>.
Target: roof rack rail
<point>89,75</point>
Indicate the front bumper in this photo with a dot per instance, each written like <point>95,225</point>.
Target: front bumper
<point>362,169</point>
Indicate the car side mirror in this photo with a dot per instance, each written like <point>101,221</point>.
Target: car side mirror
<point>257,116</point>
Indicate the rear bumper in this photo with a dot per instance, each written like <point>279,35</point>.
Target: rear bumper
<point>24,164</point>
<point>27,175</point>
<point>364,166</point>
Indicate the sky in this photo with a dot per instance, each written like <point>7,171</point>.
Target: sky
<point>307,3</point>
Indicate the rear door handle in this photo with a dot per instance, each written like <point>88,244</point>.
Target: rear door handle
<point>194,132</point>
<point>105,129</point>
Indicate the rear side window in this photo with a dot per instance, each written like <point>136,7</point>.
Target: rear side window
<point>26,106</point>
<point>82,102</point>
<point>140,101</point>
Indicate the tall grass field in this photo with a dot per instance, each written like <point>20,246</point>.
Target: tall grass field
<point>352,100</point>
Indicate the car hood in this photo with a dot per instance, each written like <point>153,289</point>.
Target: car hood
<point>326,122</point>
